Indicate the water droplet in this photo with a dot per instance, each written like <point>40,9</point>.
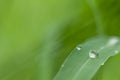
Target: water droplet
<point>78,48</point>
<point>113,41</point>
<point>93,54</point>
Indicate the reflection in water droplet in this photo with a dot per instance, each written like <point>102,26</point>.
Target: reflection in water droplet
<point>78,48</point>
<point>93,54</point>
<point>113,41</point>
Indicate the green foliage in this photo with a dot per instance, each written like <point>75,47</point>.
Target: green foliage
<point>36,36</point>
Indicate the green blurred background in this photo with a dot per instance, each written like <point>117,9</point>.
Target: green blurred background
<point>37,35</point>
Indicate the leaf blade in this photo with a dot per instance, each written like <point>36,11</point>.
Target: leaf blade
<point>79,66</point>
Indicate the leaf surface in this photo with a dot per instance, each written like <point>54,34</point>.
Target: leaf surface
<point>81,66</point>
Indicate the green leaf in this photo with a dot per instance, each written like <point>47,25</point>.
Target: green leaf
<point>80,65</point>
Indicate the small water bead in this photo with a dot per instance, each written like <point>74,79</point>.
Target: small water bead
<point>113,41</point>
<point>93,54</point>
<point>79,48</point>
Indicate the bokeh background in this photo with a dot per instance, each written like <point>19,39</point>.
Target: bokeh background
<point>37,35</point>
